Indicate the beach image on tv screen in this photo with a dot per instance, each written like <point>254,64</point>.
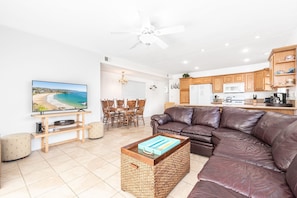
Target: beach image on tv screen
<point>55,96</point>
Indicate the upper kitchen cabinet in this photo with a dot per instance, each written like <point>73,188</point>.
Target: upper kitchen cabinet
<point>217,84</point>
<point>185,90</point>
<point>228,79</point>
<point>283,66</point>
<point>234,78</point>
<point>201,80</point>
<point>249,82</point>
<point>262,80</point>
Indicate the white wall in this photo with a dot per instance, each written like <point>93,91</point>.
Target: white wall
<point>293,39</point>
<point>24,57</point>
<point>155,99</point>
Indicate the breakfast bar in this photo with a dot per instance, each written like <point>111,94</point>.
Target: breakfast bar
<point>259,106</point>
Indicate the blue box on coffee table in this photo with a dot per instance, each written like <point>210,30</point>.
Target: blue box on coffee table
<point>158,145</point>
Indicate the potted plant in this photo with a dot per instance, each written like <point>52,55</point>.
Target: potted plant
<point>186,75</point>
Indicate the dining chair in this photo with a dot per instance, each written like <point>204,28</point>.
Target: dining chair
<point>108,115</point>
<point>120,109</point>
<point>104,106</point>
<point>120,103</point>
<point>131,104</point>
<point>140,110</point>
<point>111,105</point>
<point>130,113</point>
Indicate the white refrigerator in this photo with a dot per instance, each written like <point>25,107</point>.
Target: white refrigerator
<point>201,94</point>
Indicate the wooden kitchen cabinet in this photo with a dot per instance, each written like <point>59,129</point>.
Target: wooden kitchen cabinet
<point>184,97</point>
<point>249,82</point>
<point>201,80</point>
<point>184,83</point>
<point>262,80</point>
<point>239,78</point>
<point>234,78</point>
<point>228,79</point>
<point>185,90</point>
<point>283,66</point>
<point>217,84</point>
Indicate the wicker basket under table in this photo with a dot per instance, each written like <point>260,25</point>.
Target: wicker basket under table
<point>146,177</point>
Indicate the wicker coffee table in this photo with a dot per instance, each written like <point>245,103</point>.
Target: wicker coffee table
<point>145,175</point>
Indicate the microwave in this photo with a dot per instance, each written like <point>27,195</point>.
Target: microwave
<point>233,88</point>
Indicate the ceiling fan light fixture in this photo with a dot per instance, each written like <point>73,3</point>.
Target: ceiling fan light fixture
<point>123,80</point>
<point>149,34</point>
<point>147,39</point>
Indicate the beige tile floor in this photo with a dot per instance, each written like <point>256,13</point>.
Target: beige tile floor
<point>87,170</point>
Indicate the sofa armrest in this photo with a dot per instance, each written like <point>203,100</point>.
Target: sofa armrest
<point>159,119</point>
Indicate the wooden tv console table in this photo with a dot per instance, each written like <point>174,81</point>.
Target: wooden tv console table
<point>51,129</point>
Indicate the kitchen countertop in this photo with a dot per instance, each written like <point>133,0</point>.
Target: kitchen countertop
<point>258,106</point>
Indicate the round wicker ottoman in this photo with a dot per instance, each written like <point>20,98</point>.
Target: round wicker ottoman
<point>96,130</point>
<point>15,146</point>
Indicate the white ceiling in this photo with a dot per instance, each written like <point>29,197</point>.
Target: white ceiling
<point>209,24</point>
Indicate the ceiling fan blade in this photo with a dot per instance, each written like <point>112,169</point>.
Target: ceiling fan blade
<point>160,43</point>
<point>170,30</point>
<point>135,45</point>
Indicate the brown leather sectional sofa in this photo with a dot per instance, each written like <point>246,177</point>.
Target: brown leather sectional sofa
<point>252,153</point>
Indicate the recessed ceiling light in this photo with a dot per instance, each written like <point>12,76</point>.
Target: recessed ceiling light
<point>246,60</point>
<point>227,44</point>
<point>245,50</point>
<point>185,62</point>
<point>196,68</point>
<point>257,37</point>
<point>202,50</point>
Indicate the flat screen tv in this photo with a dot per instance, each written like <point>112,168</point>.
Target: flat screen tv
<point>58,96</point>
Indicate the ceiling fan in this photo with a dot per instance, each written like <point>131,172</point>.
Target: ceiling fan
<point>149,34</point>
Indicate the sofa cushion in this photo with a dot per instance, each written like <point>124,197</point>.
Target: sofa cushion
<point>256,153</point>
<point>270,125</point>
<point>291,176</point>
<point>240,119</point>
<point>208,116</point>
<point>197,137</point>
<point>206,189</point>
<point>199,130</point>
<point>172,126</point>
<point>180,114</point>
<point>284,147</point>
<point>245,178</point>
<point>225,133</point>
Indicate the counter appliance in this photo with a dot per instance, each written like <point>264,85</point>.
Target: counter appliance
<point>279,99</point>
<point>233,87</point>
<point>233,100</point>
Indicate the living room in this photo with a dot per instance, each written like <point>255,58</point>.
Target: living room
<point>27,56</point>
